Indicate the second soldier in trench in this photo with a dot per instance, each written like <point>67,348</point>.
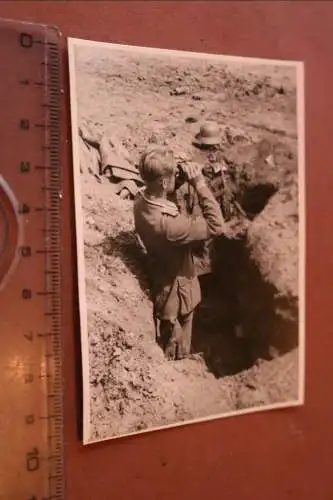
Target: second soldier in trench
<point>208,153</point>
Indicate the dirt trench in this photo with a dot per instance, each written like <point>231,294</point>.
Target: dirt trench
<point>242,318</point>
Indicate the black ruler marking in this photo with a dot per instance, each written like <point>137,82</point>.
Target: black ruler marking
<point>52,255</point>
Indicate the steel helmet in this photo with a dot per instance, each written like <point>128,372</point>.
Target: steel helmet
<point>209,135</point>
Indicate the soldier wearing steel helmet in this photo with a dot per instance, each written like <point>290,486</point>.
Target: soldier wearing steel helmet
<point>224,181</point>
<point>208,151</point>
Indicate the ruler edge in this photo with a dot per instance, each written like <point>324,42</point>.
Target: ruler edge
<point>45,27</point>
<point>53,32</point>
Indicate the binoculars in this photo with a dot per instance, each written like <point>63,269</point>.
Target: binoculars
<point>181,177</point>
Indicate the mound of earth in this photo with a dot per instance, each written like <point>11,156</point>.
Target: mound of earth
<point>255,265</point>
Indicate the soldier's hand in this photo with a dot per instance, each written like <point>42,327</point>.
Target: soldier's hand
<point>193,173</point>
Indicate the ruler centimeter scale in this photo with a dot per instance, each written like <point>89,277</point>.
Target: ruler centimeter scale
<point>31,392</point>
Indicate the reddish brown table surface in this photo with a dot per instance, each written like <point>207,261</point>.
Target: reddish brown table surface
<point>280,455</point>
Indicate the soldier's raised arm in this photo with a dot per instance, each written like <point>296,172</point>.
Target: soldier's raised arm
<point>182,230</point>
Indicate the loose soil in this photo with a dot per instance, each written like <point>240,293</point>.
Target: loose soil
<point>142,100</point>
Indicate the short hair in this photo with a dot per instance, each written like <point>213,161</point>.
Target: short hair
<point>156,163</point>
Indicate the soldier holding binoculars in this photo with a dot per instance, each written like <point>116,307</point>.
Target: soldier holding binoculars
<point>169,238</point>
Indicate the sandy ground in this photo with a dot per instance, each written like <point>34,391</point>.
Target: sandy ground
<point>132,386</point>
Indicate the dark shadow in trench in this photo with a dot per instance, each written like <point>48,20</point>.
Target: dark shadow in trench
<point>240,319</point>
<point>236,300</point>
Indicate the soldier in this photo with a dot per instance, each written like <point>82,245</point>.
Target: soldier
<point>209,153</point>
<point>168,236</point>
<point>224,184</point>
<point>208,144</point>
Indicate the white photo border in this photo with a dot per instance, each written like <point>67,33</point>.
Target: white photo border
<point>73,44</point>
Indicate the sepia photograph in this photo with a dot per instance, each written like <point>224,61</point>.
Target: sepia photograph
<point>189,192</point>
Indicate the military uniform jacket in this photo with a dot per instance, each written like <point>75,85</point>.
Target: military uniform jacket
<point>168,237</point>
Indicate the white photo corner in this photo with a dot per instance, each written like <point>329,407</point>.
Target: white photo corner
<point>189,174</point>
